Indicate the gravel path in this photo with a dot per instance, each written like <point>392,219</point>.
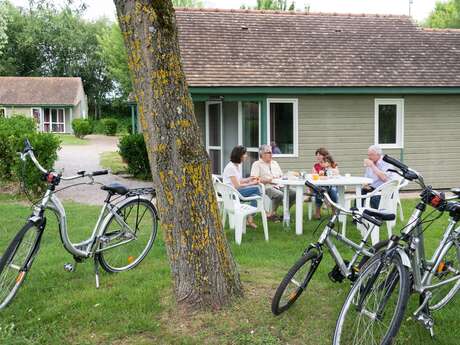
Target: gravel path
<point>73,158</point>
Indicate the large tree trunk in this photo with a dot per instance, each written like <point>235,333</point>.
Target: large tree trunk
<point>203,268</point>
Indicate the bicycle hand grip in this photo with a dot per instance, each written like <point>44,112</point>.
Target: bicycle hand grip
<point>99,172</point>
<point>27,146</point>
<point>395,162</point>
<point>372,220</point>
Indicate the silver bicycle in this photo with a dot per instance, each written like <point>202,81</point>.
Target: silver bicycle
<point>123,235</point>
<point>374,308</point>
<point>297,279</point>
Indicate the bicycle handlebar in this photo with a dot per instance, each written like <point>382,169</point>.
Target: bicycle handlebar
<point>323,193</point>
<point>29,152</point>
<point>406,172</point>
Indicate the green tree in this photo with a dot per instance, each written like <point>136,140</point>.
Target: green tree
<point>45,40</point>
<point>275,5</point>
<point>3,27</point>
<point>113,52</point>
<point>202,265</point>
<point>188,3</point>
<point>445,15</point>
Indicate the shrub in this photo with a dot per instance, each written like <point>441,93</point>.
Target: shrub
<point>13,131</point>
<point>134,153</point>
<point>110,126</point>
<point>81,128</point>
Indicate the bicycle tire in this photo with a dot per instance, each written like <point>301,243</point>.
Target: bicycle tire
<point>16,262</point>
<point>375,249</point>
<point>280,304</point>
<point>120,248</point>
<point>344,335</point>
<point>444,294</point>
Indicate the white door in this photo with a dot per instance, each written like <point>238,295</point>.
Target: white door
<point>214,135</point>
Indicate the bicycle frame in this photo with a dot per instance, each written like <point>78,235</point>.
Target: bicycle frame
<point>88,247</point>
<point>325,239</point>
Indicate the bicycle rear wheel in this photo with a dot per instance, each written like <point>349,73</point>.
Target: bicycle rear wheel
<point>448,267</point>
<point>378,318</point>
<point>16,261</point>
<point>295,282</point>
<point>129,236</point>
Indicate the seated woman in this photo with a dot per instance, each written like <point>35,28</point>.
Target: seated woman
<point>328,168</point>
<point>232,176</point>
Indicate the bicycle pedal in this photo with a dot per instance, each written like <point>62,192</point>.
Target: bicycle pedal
<point>69,267</point>
<point>336,275</point>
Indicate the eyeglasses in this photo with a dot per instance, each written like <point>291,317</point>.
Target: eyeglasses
<point>269,152</point>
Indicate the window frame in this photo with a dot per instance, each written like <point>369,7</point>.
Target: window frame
<point>399,102</point>
<point>295,113</point>
<point>40,125</point>
<point>51,122</point>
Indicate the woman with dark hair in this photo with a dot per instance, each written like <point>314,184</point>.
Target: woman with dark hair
<point>232,176</point>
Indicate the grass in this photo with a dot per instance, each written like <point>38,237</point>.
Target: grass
<point>113,162</point>
<point>70,139</point>
<point>137,307</point>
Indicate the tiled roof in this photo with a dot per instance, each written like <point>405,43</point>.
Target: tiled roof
<point>263,48</point>
<point>39,90</point>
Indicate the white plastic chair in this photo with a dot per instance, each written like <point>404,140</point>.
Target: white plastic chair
<point>402,183</point>
<point>238,211</point>
<point>388,201</point>
<point>217,179</point>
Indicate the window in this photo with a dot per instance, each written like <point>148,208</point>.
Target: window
<point>53,120</point>
<point>389,123</point>
<point>250,132</point>
<point>2,112</point>
<point>36,115</point>
<point>282,125</point>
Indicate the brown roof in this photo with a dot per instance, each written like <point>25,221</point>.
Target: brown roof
<point>264,48</point>
<point>39,90</point>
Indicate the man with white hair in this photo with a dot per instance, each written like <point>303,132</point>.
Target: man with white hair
<point>266,169</point>
<point>376,169</point>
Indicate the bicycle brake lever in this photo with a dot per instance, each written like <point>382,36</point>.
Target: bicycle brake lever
<point>22,156</point>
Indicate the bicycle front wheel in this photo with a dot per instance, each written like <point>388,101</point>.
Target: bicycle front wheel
<point>16,261</point>
<point>294,283</point>
<point>373,310</point>
<point>128,236</point>
<point>449,267</point>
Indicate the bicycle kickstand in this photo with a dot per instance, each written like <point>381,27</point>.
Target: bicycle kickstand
<point>96,271</point>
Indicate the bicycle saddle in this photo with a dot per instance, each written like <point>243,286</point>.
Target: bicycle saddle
<point>380,214</point>
<point>115,188</point>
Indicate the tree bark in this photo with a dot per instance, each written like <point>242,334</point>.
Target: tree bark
<point>202,265</point>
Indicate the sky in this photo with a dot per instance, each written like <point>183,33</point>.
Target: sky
<point>420,8</point>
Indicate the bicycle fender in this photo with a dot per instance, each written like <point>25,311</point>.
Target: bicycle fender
<point>404,257</point>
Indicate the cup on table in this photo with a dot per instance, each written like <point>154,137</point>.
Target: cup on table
<point>347,175</point>
<point>315,177</point>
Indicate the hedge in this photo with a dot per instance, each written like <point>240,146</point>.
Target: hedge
<point>134,153</point>
<point>81,128</point>
<point>13,131</point>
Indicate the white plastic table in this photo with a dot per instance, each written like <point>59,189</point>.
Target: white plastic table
<point>299,184</point>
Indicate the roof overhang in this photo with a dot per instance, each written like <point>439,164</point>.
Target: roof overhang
<point>300,90</point>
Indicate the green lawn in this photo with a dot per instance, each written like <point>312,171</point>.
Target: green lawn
<point>137,307</point>
<point>70,139</point>
<point>113,162</point>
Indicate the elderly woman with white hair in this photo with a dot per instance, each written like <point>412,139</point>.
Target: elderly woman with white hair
<point>376,169</point>
<point>266,169</point>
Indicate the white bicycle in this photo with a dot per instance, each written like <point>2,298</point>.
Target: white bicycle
<point>122,237</point>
